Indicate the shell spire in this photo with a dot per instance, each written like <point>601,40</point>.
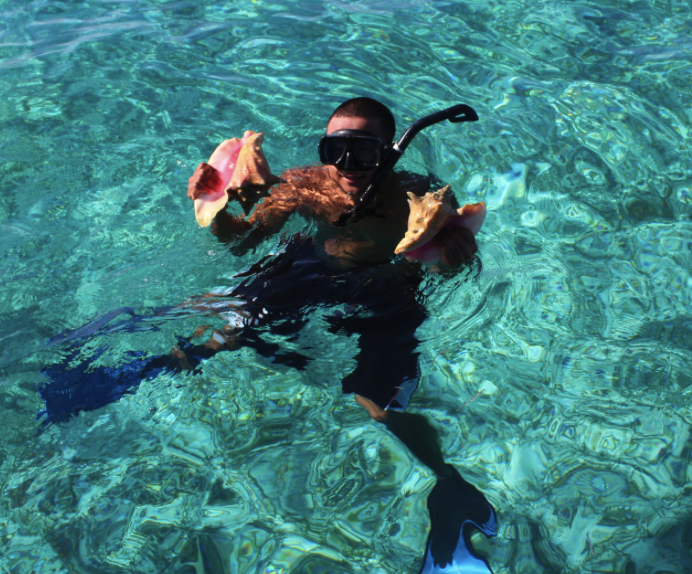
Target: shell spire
<point>252,168</point>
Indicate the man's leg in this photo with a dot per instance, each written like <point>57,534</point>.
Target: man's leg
<point>387,360</point>
<point>189,356</point>
<point>455,506</point>
<point>414,430</point>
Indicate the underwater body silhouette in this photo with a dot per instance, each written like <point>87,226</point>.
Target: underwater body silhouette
<point>270,301</point>
<point>273,301</point>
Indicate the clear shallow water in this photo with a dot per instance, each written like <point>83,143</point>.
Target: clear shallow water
<point>576,333</point>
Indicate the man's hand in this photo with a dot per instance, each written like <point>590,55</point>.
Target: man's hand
<point>456,244</point>
<point>249,195</point>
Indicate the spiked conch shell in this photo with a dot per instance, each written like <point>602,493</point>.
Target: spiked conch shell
<point>429,214</point>
<point>242,165</point>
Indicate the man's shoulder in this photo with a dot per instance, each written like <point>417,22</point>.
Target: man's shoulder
<point>310,192</point>
<point>311,180</point>
<point>306,173</point>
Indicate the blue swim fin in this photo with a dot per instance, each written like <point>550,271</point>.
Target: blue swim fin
<point>457,507</point>
<point>68,390</point>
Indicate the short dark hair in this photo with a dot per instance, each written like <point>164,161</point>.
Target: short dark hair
<point>367,108</point>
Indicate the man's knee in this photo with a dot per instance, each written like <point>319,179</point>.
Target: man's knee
<point>375,411</point>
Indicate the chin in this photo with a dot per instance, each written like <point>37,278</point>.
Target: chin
<point>356,185</point>
<point>352,185</point>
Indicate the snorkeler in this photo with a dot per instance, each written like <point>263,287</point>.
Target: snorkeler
<point>359,208</point>
<point>347,264</point>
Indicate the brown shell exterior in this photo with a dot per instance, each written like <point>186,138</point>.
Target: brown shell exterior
<point>252,168</point>
<point>428,215</point>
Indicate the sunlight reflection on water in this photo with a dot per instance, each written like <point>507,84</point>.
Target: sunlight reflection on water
<point>558,379</point>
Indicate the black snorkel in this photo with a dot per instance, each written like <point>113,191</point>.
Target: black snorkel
<point>455,114</point>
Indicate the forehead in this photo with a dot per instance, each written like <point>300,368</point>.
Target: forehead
<point>372,125</point>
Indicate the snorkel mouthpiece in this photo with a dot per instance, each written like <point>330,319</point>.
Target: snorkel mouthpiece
<point>456,114</point>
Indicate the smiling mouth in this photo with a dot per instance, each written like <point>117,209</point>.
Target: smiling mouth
<point>352,176</point>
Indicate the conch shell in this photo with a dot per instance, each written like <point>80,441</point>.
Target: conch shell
<point>242,167</point>
<point>429,214</point>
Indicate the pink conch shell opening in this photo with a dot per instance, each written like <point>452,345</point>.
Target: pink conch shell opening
<point>225,157</point>
<point>431,213</point>
<point>241,164</point>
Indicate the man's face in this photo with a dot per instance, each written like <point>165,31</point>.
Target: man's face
<point>354,182</point>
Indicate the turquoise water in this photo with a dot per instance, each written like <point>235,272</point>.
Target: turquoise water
<point>574,344</point>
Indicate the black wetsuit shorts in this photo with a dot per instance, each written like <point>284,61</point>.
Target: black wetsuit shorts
<point>377,303</point>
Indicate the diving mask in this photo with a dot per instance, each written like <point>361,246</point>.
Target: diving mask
<point>352,150</point>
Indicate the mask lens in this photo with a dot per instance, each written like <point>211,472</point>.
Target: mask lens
<point>334,149</point>
<point>367,152</point>
<point>360,151</point>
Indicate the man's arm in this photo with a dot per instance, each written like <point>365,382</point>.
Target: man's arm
<point>267,220</point>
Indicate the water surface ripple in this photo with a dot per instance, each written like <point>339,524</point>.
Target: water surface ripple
<point>574,341</point>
